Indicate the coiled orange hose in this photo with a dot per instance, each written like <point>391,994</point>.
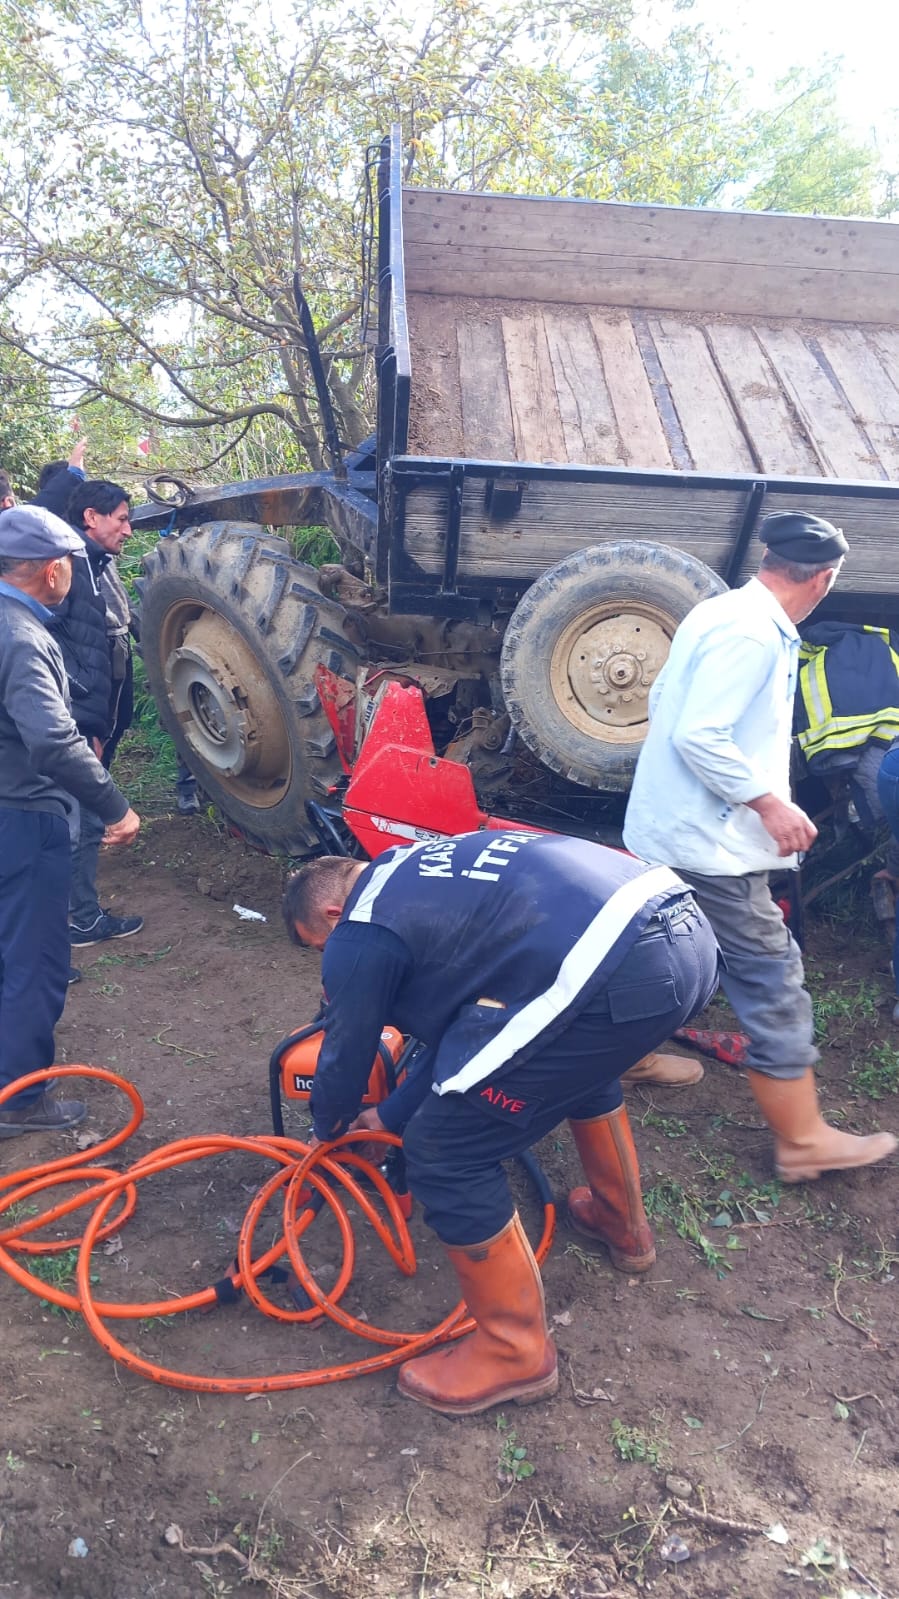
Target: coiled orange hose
<point>328,1169</point>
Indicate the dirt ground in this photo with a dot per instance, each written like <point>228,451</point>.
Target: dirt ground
<point>751,1375</point>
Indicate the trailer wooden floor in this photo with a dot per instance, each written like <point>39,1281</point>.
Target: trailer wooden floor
<point>514,380</point>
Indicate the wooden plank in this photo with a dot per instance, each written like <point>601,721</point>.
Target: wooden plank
<point>487,429</point>
<point>839,442</point>
<point>667,233</point>
<point>585,406</point>
<point>869,388</point>
<point>639,426</point>
<point>517,273</point>
<point>775,433</point>
<point>435,410</point>
<point>713,433</point>
<point>535,410</point>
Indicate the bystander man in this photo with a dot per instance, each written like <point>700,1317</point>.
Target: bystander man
<point>711,798</point>
<point>45,765</point>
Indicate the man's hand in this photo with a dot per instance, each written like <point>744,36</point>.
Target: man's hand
<point>790,828</point>
<point>77,456</point>
<point>123,832</point>
<point>368,1121</point>
<point>97,747</point>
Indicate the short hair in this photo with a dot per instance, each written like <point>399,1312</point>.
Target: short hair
<point>97,495</point>
<point>50,470</point>
<point>796,571</point>
<point>6,487</point>
<point>12,564</point>
<point>309,891</point>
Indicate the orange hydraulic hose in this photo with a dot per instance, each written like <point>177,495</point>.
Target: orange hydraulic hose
<point>328,1169</point>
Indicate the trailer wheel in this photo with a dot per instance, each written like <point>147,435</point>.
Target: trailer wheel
<point>231,630</point>
<point>583,648</point>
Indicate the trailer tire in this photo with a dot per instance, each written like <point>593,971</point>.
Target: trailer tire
<point>583,648</point>
<point>231,630</point>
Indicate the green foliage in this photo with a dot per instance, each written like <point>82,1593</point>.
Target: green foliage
<point>158,224</point>
<point>31,432</point>
<point>686,1210</point>
<point>513,1465</point>
<point>636,1445</point>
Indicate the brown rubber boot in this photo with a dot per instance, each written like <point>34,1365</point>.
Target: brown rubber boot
<point>805,1145</point>
<point>510,1356</point>
<point>674,1071</point>
<point>611,1209</point>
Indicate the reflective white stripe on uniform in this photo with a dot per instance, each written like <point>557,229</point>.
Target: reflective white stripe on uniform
<point>361,911</point>
<point>579,965</point>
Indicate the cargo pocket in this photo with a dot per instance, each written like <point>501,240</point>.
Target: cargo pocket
<point>629,1002</point>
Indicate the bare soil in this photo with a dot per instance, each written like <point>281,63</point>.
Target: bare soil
<point>756,1362</point>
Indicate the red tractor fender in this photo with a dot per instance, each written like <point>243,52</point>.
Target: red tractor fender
<point>400,790</point>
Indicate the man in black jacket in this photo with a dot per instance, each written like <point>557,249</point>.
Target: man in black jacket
<point>58,479</point>
<point>45,765</point>
<point>536,969</point>
<point>92,632</point>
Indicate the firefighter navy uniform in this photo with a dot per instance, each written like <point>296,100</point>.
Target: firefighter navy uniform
<point>536,968</point>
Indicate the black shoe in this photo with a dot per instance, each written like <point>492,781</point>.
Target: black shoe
<point>188,805</point>
<point>74,975</point>
<point>42,1115</point>
<point>105,926</point>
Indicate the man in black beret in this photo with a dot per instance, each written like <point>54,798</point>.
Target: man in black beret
<point>711,798</point>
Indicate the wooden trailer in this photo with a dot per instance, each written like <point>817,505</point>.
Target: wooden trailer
<point>560,373</point>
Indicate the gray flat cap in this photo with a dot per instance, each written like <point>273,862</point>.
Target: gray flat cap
<point>31,533</point>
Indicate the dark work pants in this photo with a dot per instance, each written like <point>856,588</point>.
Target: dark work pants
<point>35,867</point>
<point>455,1143</point>
<point>888,794</point>
<point>86,831</point>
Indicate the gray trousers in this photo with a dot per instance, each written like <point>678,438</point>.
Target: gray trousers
<point>763,979</point>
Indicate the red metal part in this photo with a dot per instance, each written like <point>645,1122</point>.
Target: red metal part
<point>338,699</point>
<point>400,790</point>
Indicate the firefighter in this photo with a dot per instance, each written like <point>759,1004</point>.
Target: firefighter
<point>536,968</point>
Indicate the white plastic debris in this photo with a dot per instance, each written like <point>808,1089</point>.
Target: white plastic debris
<point>246,915</point>
<point>777,1533</point>
<point>77,1549</point>
<point>674,1550</point>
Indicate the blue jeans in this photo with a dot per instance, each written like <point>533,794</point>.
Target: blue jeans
<point>888,794</point>
<point>35,865</point>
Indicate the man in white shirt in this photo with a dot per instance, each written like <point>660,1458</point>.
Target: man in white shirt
<point>711,798</point>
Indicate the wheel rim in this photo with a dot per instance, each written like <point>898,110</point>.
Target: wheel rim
<point>225,705</point>
<point>604,665</point>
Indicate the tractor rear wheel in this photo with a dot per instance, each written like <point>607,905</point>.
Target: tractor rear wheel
<point>231,630</point>
<point>583,648</point>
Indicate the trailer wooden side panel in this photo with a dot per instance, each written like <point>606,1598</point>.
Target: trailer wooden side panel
<point>744,263</point>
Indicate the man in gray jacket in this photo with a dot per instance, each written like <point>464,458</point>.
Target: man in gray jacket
<point>44,761</point>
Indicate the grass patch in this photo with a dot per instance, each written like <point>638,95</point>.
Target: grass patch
<point>878,1074</point>
<point>316,546</point>
<point>636,1445</point>
<point>686,1210</point>
<point>839,1008</point>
